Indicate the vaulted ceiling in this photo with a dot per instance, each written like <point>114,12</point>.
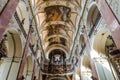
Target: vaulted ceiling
<point>57,23</point>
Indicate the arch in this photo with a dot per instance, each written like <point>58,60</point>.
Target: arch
<point>45,36</point>
<point>68,25</point>
<point>101,40</point>
<point>93,15</point>
<point>13,43</point>
<point>56,47</point>
<point>10,64</point>
<point>43,5</point>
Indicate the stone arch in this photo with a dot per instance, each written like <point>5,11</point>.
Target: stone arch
<point>93,15</point>
<point>10,64</point>
<point>101,41</point>
<point>53,48</point>
<point>13,43</point>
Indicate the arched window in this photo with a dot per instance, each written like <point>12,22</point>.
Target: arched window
<point>93,18</point>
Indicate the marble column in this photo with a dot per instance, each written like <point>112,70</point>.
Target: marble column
<point>6,15</point>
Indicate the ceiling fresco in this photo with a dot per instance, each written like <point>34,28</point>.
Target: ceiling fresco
<point>57,20</point>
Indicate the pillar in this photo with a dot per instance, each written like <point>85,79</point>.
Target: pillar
<point>89,49</point>
<point>33,72</point>
<point>9,68</point>
<point>29,75</point>
<point>24,57</point>
<point>14,69</point>
<point>6,15</point>
<point>103,67</point>
<point>5,68</point>
<point>110,19</point>
<point>39,75</point>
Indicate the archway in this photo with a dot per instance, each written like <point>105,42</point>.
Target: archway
<point>102,42</point>
<point>93,14</point>
<point>13,47</point>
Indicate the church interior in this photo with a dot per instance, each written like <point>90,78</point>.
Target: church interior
<point>59,39</point>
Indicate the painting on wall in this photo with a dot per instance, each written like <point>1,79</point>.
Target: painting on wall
<point>57,13</point>
<point>55,29</point>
